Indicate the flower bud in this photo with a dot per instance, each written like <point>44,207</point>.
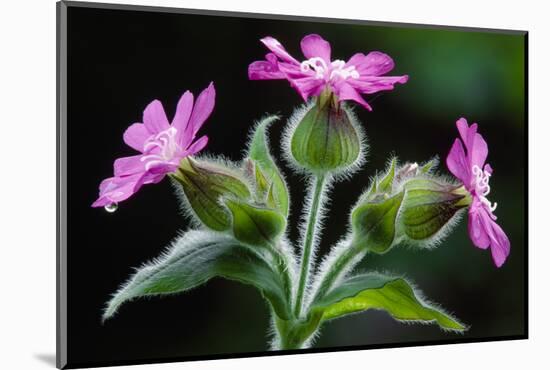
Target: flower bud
<point>203,184</point>
<point>406,203</point>
<point>429,207</point>
<point>324,138</point>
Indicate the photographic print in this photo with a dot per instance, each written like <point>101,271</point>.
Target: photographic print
<point>240,185</point>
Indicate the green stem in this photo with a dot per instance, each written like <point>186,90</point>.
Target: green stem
<point>341,264</point>
<point>308,242</point>
<point>283,268</point>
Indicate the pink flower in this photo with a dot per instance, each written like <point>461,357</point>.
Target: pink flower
<point>161,145</point>
<point>361,74</point>
<point>470,168</point>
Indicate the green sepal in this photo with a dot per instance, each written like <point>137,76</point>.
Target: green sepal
<point>203,184</point>
<point>325,139</point>
<point>429,165</point>
<point>255,225</point>
<point>258,151</point>
<point>385,184</point>
<point>428,207</point>
<point>373,223</point>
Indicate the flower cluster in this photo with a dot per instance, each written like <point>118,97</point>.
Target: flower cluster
<point>322,139</point>
<point>241,208</point>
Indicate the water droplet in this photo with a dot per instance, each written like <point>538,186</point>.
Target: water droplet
<point>111,207</point>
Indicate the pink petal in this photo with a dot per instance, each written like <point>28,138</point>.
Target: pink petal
<point>197,146</point>
<point>202,109</point>
<point>154,117</point>
<point>183,112</point>
<point>265,70</point>
<point>484,232</point>
<point>293,71</point>
<point>308,86</point>
<point>161,169</point>
<point>278,49</point>
<point>315,46</point>
<point>345,91</point>
<point>478,151</point>
<point>500,244</point>
<point>476,146</point>
<point>136,135</point>
<point>466,132</point>
<point>476,227</point>
<point>129,165</point>
<point>373,84</point>
<point>117,189</point>
<point>149,178</point>
<point>374,63</point>
<point>458,164</point>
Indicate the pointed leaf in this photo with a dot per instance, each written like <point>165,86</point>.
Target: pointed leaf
<point>391,294</point>
<point>194,258</point>
<point>259,151</point>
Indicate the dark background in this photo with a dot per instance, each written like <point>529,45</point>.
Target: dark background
<point>119,61</point>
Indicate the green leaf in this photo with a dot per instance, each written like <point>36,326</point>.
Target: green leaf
<point>255,225</point>
<point>373,224</point>
<point>379,292</point>
<point>194,258</point>
<point>258,150</point>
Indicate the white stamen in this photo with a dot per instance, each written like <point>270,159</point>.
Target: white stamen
<point>337,68</point>
<point>482,187</point>
<point>316,64</point>
<point>166,142</point>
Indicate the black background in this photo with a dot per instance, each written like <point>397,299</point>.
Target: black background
<point>119,61</point>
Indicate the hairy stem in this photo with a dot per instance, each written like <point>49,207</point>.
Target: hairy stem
<point>308,242</point>
<point>283,267</point>
<point>339,267</point>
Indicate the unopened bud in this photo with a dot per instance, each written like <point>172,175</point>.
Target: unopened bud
<point>204,183</point>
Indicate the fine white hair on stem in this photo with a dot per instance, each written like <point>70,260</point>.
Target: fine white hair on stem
<point>324,201</point>
<point>326,264</point>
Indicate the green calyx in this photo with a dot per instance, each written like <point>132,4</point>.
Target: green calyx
<point>255,225</point>
<point>405,203</point>
<point>204,184</point>
<point>325,139</point>
<point>429,207</point>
